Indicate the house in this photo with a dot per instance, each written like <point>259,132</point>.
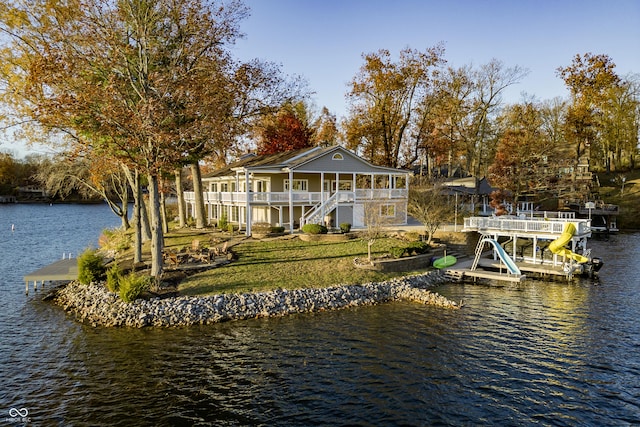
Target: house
<point>321,185</point>
<point>474,194</point>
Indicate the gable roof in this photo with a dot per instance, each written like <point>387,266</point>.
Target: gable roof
<point>289,160</point>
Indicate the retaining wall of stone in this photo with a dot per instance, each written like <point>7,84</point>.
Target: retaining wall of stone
<point>95,305</point>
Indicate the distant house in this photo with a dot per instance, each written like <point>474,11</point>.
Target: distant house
<point>321,185</point>
<point>473,194</point>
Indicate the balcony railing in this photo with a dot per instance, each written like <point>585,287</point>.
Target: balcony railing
<point>297,197</point>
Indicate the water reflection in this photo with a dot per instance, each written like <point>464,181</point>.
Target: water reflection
<point>539,352</point>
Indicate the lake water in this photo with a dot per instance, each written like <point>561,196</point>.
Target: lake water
<point>548,353</point>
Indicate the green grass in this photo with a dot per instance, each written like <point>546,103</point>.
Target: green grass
<point>290,264</point>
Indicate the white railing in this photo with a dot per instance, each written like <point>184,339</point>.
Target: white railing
<point>297,197</point>
<point>551,226</point>
<point>367,194</point>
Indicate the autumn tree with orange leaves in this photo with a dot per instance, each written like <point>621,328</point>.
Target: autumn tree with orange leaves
<point>286,130</point>
<point>526,159</point>
<point>134,81</point>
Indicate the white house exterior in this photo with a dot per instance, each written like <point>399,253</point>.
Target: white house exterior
<point>321,185</point>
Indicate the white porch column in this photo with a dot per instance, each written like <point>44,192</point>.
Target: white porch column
<point>373,184</point>
<point>322,193</point>
<point>291,201</point>
<point>353,185</point>
<point>247,202</point>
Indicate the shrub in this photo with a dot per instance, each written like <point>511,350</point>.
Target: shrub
<point>90,266</point>
<point>230,228</point>
<point>114,275</point>
<point>314,229</point>
<point>261,227</point>
<point>418,248</point>
<point>412,236</point>
<point>222,221</point>
<point>133,285</point>
<point>345,227</point>
<point>278,229</point>
<point>115,239</point>
<point>397,252</point>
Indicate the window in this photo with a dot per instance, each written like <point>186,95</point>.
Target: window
<point>235,214</point>
<point>342,185</point>
<point>298,185</point>
<point>388,211</point>
<point>337,156</point>
<point>214,187</point>
<point>261,186</point>
<point>224,187</point>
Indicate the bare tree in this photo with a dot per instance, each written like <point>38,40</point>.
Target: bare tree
<point>376,218</point>
<point>429,206</point>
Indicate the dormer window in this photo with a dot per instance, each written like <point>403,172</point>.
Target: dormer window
<point>337,156</point>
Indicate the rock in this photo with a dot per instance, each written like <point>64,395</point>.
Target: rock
<point>95,305</point>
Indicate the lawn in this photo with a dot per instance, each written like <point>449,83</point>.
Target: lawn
<point>291,264</point>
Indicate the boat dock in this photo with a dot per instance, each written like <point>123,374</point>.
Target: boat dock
<point>62,270</point>
<point>462,271</point>
<point>541,244</point>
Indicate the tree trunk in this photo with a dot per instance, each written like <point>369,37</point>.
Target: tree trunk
<point>137,191</point>
<point>124,198</point>
<point>134,183</point>
<point>199,197</point>
<point>163,213</point>
<point>157,237</point>
<point>182,212</point>
<point>144,219</point>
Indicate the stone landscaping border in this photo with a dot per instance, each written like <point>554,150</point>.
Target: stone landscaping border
<point>95,305</point>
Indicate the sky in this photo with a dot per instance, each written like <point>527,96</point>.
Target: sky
<point>324,40</point>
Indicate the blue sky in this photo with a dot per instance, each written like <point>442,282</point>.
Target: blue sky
<point>323,40</point>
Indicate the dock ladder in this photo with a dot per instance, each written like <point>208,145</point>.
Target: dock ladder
<point>479,248</point>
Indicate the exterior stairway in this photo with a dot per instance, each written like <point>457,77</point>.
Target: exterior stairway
<point>316,215</point>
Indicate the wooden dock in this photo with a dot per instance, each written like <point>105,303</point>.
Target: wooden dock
<point>495,270</point>
<point>62,270</point>
<point>462,270</point>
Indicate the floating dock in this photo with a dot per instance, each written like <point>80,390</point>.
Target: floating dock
<point>62,270</point>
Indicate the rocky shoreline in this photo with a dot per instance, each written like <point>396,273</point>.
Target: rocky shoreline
<point>95,305</point>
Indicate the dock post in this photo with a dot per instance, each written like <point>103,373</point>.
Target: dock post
<point>26,288</point>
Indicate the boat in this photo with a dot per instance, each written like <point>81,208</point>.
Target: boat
<point>603,215</point>
<point>536,243</point>
<point>444,262</point>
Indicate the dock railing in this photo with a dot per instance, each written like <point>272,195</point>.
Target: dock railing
<point>524,225</point>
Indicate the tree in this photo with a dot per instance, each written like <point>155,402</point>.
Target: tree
<point>326,129</point>
<point>126,78</point>
<point>286,130</point>
<point>428,205</point>
<point>619,127</point>
<point>589,79</point>
<point>468,102</point>
<point>384,97</point>
<point>375,223</point>
<point>89,178</point>
<point>525,161</point>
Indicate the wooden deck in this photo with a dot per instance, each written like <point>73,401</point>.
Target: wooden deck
<point>499,271</point>
<point>64,269</point>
